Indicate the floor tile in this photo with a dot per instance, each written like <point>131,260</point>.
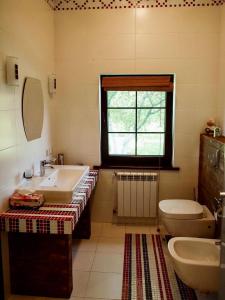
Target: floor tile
<point>111,245</point>
<point>80,282</point>
<point>138,229</point>
<point>78,298</point>
<point>108,262</point>
<point>96,229</point>
<point>153,230</point>
<point>83,260</point>
<point>51,298</point>
<point>85,245</point>
<point>211,296</point>
<point>104,285</point>
<point>22,297</point>
<point>113,230</point>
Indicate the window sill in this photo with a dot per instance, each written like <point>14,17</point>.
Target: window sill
<point>166,168</point>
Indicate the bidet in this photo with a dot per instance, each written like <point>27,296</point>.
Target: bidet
<point>196,262</point>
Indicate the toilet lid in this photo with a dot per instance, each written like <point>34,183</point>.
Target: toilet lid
<point>181,209</point>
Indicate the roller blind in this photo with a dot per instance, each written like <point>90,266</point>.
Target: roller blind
<point>136,83</point>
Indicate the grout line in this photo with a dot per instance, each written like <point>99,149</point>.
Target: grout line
<point>91,266</point>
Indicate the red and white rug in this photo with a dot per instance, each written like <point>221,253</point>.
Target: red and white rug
<point>148,272</point>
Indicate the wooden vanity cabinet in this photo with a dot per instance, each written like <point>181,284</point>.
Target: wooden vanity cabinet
<point>211,170</point>
<point>41,264</point>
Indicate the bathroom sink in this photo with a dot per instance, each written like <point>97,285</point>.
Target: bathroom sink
<point>58,184</point>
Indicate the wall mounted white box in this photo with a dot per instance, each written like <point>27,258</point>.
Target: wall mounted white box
<point>12,70</point>
<point>52,84</point>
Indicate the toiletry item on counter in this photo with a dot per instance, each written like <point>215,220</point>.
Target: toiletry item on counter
<point>60,159</point>
<point>28,174</point>
<point>26,199</point>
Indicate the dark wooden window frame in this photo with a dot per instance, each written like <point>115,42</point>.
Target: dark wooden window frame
<point>116,161</point>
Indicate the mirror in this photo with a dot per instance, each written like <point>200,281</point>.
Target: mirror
<point>32,108</point>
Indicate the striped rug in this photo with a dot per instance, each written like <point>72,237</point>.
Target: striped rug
<point>148,272</point>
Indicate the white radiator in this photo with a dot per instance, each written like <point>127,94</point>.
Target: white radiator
<point>137,194</point>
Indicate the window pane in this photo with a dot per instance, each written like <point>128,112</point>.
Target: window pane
<point>151,99</point>
<point>150,144</point>
<point>121,120</point>
<point>121,144</point>
<point>121,99</point>
<point>151,120</point>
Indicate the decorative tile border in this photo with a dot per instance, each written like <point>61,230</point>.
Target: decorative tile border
<point>65,5</point>
<point>51,3</point>
<point>51,218</point>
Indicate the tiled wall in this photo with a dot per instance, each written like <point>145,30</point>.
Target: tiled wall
<point>88,43</point>
<point>27,32</point>
<point>183,41</point>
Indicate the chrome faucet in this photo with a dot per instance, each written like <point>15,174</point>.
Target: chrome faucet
<point>46,164</point>
<point>42,167</point>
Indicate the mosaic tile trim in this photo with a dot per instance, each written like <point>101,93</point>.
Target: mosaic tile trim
<point>51,218</point>
<point>65,5</point>
<point>51,3</point>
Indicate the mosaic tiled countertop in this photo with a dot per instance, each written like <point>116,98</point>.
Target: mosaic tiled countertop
<point>51,218</point>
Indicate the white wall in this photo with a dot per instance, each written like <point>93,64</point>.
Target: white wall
<point>221,98</point>
<point>27,32</point>
<point>183,41</point>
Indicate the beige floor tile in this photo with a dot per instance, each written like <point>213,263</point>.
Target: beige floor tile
<point>80,282</point>
<point>85,245</point>
<point>22,297</point>
<point>104,285</point>
<point>108,262</point>
<point>153,230</point>
<point>203,296</point>
<point>113,230</point>
<point>138,229</point>
<point>51,298</point>
<point>83,260</point>
<point>96,229</point>
<point>111,245</point>
<point>78,298</point>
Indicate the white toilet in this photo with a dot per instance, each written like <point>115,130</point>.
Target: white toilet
<point>196,262</point>
<point>187,218</point>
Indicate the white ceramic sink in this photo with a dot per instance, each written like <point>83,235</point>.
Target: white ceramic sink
<point>58,184</point>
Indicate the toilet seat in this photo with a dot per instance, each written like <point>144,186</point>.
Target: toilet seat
<point>181,209</point>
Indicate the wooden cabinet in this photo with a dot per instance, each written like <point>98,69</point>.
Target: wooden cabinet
<point>211,170</point>
<point>41,264</point>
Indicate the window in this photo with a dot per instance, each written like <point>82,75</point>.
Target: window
<point>136,120</point>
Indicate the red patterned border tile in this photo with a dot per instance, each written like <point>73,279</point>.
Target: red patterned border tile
<point>51,218</point>
<point>51,3</point>
<point>67,5</point>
